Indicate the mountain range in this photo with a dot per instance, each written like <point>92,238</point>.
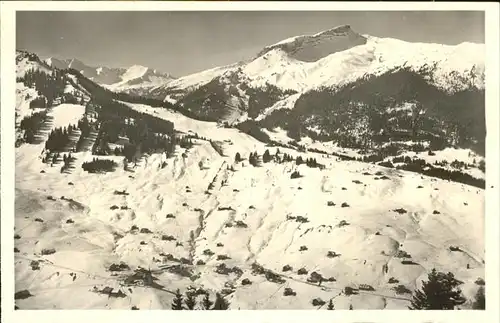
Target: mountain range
<point>295,84</point>
<point>131,184</point>
<point>117,79</point>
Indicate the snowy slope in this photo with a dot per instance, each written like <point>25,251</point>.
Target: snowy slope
<point>377,56</point>
<point>191,82</point>
<point>24,96</point>
<point>287,103</point>
<point>199,208</point>
<point>264,198</point>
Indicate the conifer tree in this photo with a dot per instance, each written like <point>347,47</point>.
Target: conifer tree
<point>440,292</point>
<point>190,301</point>
<point>266,157</point>
<point>330,306</point>
<point>251,159</point>
<point>480,300</point>
<point>220,303</point>
<point>177,302</point>
<point>237,157</point>
<point>207,303</point>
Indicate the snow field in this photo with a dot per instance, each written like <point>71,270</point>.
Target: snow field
<point>261,197</point>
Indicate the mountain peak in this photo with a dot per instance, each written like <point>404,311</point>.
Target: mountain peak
<point>55,62</point>
<point>135,71</point>
<point>77,64</point>
<point>137,67</point>
<point>135,75</point>
<point>336,30</point>
<point>310,48</point>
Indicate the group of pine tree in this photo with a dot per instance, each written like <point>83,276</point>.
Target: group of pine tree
<point>115,121</point>
<point>49,86</point>
<point>86,128</point>
<point>189,302</point>
<point>253,159</point>
<point>99,165</point>
<point>32,124</point>
<point>142,132</point>
<point>59,138</point>
<point>53,158</point>
<point>441,292</point>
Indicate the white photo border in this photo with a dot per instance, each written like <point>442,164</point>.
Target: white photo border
<point>8,27</point>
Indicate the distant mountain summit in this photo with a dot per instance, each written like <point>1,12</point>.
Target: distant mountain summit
<point>117,79</point>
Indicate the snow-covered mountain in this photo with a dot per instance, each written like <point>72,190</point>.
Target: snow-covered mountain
<point>429,91</point>
<point>135,79</point>
<point>315,47</point>
<point>120,199</point>
<point>340,56</point>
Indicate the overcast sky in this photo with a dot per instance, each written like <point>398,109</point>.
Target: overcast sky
<point>181,43</point>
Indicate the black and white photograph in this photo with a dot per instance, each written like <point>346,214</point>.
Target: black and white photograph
<point>249,160</point>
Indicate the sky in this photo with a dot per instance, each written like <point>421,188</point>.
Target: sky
<point>181,43</point>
